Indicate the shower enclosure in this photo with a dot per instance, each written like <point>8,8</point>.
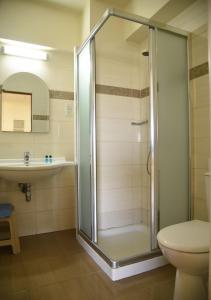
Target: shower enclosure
<point>132,147</point>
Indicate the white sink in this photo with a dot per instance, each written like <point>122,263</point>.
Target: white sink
<point>15,170</point>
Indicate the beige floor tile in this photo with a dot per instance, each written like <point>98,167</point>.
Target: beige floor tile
<point>163,290</point>
<point>76,265</point>
<point>49,292</point>
<point>78,288</point>
<point>21,295</point>
<point>144,294</point>
<point>38,272</point>
<point>93,286</point>
<point>53,266</point>
<point>13,278</point>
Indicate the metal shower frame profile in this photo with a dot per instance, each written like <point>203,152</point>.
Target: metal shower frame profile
<point>153,26</point>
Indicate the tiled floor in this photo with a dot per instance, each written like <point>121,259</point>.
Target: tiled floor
<point>53,266</point>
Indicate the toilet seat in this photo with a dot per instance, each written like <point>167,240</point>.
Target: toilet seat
<point>191,236</point>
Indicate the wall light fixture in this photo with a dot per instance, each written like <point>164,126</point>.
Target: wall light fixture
<point>24,52</point>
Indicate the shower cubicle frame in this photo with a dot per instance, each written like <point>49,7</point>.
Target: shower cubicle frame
<point>153,26</point>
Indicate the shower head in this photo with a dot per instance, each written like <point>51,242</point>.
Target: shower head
<point>145,53</point>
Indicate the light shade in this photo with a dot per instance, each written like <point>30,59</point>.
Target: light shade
<point>24,52</point>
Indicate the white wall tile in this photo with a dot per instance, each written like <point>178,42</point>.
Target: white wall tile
<point>45,221</point>
<point>13,150</point>
<point>122,148</point>
<point>115,107</point>
<point>114,199</point>
<point>114,153</point>
<point>26,223</point>
<point>61,110</point>
<point>113,130</point>
<point>119,218</point>
<point>64,219</point>
<point>113,177</point>
<point>200,124</point>
<point>18,199</point>
<point>139,153</point>
<point>200,91</point>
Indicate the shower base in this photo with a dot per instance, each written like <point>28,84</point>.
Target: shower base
<point>119,243</point>
<point>123,242</point>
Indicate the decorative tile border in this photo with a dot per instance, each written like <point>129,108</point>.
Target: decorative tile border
<point>40,117</point>
<point>195,72</point>
<point>199,71</point>
<point>61,95</point>
<point>144,92</point>
<point>120,91</point>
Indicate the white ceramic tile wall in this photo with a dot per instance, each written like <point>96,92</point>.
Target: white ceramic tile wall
<point>199,46</point>
<point>118,173</point>
<point>200,124</point>
<point>122,180</point>
<point>53,203</point>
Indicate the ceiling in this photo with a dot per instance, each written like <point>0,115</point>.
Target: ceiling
<point>79,4</point>
<point>73,4</point>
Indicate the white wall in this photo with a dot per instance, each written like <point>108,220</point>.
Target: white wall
<point>85,21</point>
<point>53,204</point>
<point>57,72</point>
<point>142,8</point>
<point>40,23</point>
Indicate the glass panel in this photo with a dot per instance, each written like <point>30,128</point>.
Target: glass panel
<point>84,148</point>
<point>16,112</point>
<point>122,110</point>
<point>28,84</point>
<point>173,128</point>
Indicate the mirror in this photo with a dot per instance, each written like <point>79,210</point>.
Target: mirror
<point>24,104</point>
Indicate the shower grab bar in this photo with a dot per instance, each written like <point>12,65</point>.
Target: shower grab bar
<point>139,123</point>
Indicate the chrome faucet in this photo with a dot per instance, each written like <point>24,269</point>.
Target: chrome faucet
<point>26,157</point>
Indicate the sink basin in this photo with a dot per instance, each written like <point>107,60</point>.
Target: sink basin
<point>15,170</point>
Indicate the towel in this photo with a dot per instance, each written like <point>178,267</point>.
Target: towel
<point>5,210</point>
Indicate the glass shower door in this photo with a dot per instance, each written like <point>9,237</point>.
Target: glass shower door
<point>169,97</point>
<point>123,142</point>
<point>173,128</point>
<point>85,119</point>
<point>138,182</point>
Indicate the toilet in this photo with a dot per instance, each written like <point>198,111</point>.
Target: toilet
<point>186,247</point>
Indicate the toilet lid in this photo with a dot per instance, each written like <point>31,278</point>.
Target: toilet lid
<point>191,236</point>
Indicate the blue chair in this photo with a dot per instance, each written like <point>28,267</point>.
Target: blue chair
<point>7,215</point>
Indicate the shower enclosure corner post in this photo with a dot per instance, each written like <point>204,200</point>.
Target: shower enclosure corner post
<point>190,213</point>
<point>93,142</point>
<point>76,124</point>
<point>154,137</point>
<point>86,140</point>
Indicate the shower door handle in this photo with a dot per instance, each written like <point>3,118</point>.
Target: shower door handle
<point>134,123</point>
<point>148,159</point>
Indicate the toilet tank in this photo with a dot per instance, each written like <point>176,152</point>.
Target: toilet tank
<point>208,191</point>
